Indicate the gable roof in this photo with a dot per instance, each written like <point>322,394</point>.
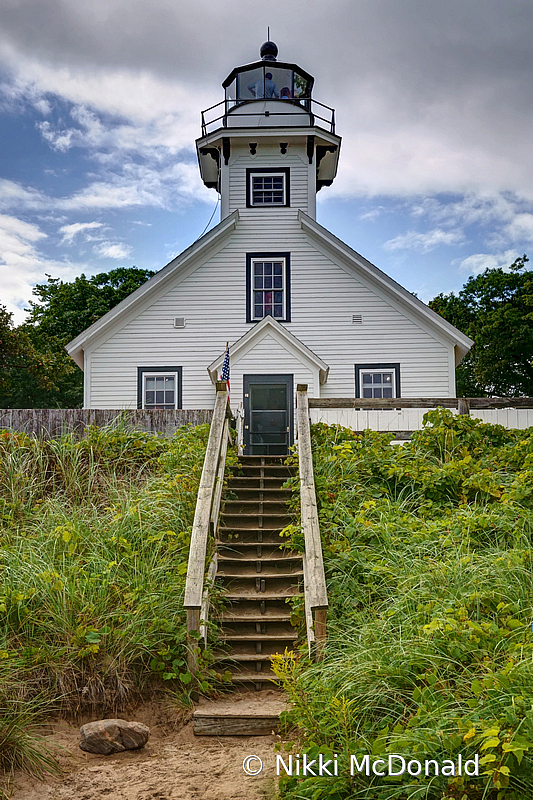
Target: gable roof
<point>388,285</point>
<point>269,325</point>
<point>213,238</point>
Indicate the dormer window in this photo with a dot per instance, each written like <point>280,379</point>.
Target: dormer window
<point>268,286</point>
<point>267,187</point>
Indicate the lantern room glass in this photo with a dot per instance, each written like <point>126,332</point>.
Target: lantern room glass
<point>268,82</point>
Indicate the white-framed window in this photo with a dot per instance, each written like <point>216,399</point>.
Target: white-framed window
<point>377,381</point>
<point>267,187</point>
<point>376,384</point>
<point>159,388</point>
<point>268,286</point>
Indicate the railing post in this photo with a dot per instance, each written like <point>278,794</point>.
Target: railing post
<point>463,406</point>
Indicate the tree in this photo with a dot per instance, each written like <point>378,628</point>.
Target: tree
<point>495,309</point>
<point>62,312</point>
<point>20,363</point>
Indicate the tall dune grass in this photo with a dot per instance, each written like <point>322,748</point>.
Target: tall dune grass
<point>94,539</point>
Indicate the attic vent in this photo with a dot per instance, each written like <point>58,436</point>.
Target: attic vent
<point>357,319</point>
<point>179,322</point>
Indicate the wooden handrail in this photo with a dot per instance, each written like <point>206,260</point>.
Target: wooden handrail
<point>315,592</point>
<point>206,512</point>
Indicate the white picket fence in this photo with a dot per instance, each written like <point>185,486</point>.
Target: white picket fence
<point>410,419</point>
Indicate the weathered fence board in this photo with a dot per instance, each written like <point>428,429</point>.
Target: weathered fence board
<point>421,402</point>
<point>53,422</point>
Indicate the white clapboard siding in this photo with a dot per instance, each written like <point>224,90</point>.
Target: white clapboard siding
<point>212,299</point>
<point>268,357</point>
<point>269,156</point>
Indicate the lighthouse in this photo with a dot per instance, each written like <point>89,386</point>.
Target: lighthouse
<point>296,304</point>
<point>267,123</point>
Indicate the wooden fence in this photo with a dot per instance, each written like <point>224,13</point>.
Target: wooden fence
<point>53,422</point>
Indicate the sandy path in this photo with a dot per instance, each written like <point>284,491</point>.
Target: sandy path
<point>175,766</point>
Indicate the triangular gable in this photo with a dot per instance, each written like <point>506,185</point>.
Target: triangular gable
<point>168,273</point>
<point>269,326</point>
<point>387,285</point>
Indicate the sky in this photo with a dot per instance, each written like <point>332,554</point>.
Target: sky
<point>100,105</point>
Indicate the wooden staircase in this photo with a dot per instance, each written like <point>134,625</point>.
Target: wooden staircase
<point>256,575</point>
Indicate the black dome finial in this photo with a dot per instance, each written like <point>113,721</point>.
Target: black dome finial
<point>269,51</point>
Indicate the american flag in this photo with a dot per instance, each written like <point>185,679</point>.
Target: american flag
<point>225,368</point>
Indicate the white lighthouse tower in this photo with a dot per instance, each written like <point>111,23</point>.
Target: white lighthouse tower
<point>268,147</point>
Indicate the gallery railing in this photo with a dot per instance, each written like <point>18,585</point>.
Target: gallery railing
<point>304,106</point>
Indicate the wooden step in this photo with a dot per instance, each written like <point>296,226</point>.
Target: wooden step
<point>263,595</point>
<point>244,615</point>
<point>254,714</point>
<point>242,558</point>
<point>249,570</point>
<point>253,677</point>
<point>245,518</point>
<point>237,549</point>
<point>258,628</point>
<point>251,535</point>
<point>243,657</point>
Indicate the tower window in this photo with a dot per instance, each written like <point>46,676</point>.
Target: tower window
<point>268,283</point>
<point>267,187</point>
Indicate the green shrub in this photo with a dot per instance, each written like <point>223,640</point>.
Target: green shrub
<point>429,564</point>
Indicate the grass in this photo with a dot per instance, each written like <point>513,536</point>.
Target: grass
<point>429,567</point>
<point>94,538</point>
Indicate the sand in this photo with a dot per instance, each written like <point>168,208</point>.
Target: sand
<point>174,765</point>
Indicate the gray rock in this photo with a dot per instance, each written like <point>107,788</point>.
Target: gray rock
<point>106,736</point>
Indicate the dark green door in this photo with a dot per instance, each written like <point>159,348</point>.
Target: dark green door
<point>268,414</point>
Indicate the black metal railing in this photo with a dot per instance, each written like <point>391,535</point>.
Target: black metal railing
<point>312,108</point>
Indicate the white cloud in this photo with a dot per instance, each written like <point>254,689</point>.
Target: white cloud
<point>478,262</point>
<point>112,250</point>
<point>424,242</point>
<point>22,264</point>
<point>13,195</point>
<point>72,230</point>
<point>521,227</point>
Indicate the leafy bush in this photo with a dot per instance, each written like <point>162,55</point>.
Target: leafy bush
<point>429,565</point>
